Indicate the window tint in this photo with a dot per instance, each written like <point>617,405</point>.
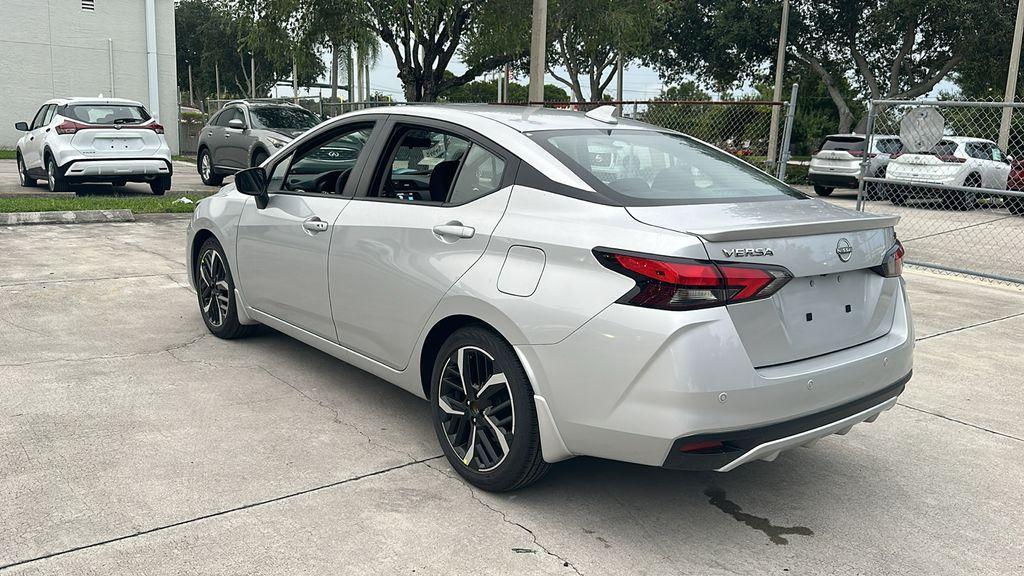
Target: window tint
<point>480,175</point>
<point>283,118</point>
<point>227,115</point>
<point>843,143</point>
<point>996,154</point>
<point>421,166</point>
<point>888,146</point>
<point>38,120</point>
<point>49,114</point>
<point>326,167</point>
<point>642,167</point>
<point>106,113</point>
<point>944,148</point>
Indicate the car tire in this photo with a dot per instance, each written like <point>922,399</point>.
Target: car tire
<point>258,158</point>
<point>215,290</point>
<point>161,185</point>
<point>823,190</point>
<point>119,183</point>
<point>204,164</point>
<point>54,179</point>
<point>491,440</point>
<point>962,200</point>
<point>24,179</point>
<point>1015,204</point>
<point>875,190</point>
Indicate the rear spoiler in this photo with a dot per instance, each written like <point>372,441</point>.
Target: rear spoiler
<point>725,234</point>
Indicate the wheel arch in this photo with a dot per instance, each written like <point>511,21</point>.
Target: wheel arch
<point>256,150</point>
<point>436,337</point>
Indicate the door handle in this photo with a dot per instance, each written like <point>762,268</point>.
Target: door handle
<point>315,225</point>
<point>454,229</point>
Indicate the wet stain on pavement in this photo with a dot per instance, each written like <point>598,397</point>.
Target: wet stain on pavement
<point>775,533</point>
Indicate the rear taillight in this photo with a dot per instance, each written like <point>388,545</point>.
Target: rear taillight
<point>895,155</point>
<point>682,284</point>
<point>860,153</point>
<point>159,129</point>
<point>951,158</point>
<point>69,127</point>
<point>892,265</point>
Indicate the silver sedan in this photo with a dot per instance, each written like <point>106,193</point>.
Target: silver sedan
<point>559,284</point>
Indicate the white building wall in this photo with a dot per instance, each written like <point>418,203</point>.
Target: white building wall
<point>54,48</point>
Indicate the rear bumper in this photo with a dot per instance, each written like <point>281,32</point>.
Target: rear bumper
<point>129,168</point>
<point>832,180</point>
<point>632,382</point>
<point>765,443</point>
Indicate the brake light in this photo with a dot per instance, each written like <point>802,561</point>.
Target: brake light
<point>892,265</point>
<point>860,153</point>
<point>896,155</point>
<point>158,128</point>
<point>70,127</point>
<point>683,284</point>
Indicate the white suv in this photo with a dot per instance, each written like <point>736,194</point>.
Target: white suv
<point>837,163</point>
<point>956,161</point>
<point>93,140</point>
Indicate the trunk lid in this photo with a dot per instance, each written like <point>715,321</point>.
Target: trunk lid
<point>830,304</point>
<point>111,142</point>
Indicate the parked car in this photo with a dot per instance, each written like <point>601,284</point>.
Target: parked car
<point>675,308</point>
<point>244,134</point>
<point>954,161</point>
<point>838,163</point>
<point>1015,182</point>
<point>74,140</point>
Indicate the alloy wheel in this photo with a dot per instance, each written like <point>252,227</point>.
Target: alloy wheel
<point>51,175</point>
<point>21,172</point>
<point>214,292</point>
<point>476,408</point>
<point>204,165</point>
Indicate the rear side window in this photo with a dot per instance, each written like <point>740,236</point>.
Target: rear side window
<point>106,113</point>
<point>645,168</point>
<point>481,174</point>
<point>421,165</point>
<point>944,148</point>
<point>843,143</point>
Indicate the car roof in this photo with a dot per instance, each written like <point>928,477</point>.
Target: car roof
<point>263,104</point>
<point>92,100</point>
<point>861,136</point>
<point>966,139</point>
<point>519,118</point>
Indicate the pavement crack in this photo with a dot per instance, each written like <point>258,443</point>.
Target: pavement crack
<point>170,350</point>
<point>505,518</point>
<point>218,513</point>
<point>968,327</point>
<point>968,424</point>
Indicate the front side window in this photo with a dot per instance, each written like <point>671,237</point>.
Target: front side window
<point>282,118</point>
<point>38,120</point>
<point>106,113</point>
<point>644,167</point>
<point>326,166</point>
<point>421,165</point>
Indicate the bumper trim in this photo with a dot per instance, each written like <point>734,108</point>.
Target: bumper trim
<point>764,443</point>
<point>833,180</point>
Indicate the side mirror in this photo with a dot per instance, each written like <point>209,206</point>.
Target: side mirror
<point>253,182</point>
<point>236,124</point>
<point>21,126</point>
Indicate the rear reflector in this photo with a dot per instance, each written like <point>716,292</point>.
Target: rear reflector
<point>683,284</point>
<point>701,446</point>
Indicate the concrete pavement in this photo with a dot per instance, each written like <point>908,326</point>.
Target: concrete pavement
<point>131,442</point>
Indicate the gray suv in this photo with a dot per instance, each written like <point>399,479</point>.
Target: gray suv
<point>244,134</point>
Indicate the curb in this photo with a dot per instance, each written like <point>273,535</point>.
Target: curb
<point>66,217</point>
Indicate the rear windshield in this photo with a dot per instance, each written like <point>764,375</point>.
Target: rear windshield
<point>843,143</point>
<point>283,118</point>
<point>889,145</point>
<point>643,167</point>
<point>106,113</point>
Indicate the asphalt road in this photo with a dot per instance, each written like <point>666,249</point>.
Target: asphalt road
<point>132,442</point>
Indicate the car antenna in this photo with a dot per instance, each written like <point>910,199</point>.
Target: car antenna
<point>604,114</point>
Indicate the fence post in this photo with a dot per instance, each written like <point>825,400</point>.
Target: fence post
<point>866,159</point>
<point>787,133</point>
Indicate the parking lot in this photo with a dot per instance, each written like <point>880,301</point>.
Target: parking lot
<point>133,442</point>
<point>185,181</point>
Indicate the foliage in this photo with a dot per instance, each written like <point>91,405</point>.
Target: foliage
<point>227,34</point>
<point>487,91</point>
<point>586,37</point>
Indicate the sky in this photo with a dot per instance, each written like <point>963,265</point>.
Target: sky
<point>640,82</point>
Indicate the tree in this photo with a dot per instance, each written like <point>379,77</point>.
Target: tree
<point>889,49</point>
<point>487,91</point>
<point>425,35</point>
<point>586,37</point>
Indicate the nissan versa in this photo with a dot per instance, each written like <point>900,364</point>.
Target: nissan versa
<point>560,284</point>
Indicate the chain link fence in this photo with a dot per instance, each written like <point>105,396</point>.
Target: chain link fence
<point>954,172</point>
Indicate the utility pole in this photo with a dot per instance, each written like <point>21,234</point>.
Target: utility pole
<point>620,67</point>
<point>191,94</point>
<point>295,80</point>
<point>1011,78</point>
<point>216,77</point>
<point>252,75</point>
<point>780,64</point>
<point>334,72</point>
<point>538,46</point>
<point>366,77</point>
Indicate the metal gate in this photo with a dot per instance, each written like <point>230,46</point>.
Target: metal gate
<point>954,173</point>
